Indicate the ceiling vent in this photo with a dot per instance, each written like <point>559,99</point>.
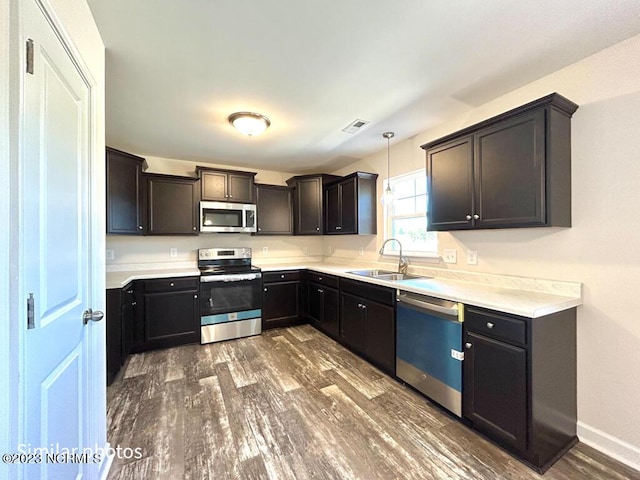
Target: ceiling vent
<point>355,126</point>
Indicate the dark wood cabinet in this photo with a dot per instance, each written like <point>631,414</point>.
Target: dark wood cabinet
<point>170,314</point>
<point>282,299</point>
<point>519,382</point>
<point>350,205</point>
<point>513,170</point>
<point>323,302</point>
<point>274,210</point>
<point>125,193</point>
<point>307,202</point>
<point>120,319</point>
<point>368,322</point>
<point>172,205</point>
<point>226,185</point>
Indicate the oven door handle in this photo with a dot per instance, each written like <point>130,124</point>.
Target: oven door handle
<point>241,277</point>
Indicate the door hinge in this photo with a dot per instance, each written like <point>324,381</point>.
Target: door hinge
<point>30,313</point>
<point>30,56</point>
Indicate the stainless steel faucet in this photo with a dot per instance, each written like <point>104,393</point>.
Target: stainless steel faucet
<point>403,263</point>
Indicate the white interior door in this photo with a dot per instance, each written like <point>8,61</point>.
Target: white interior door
<point>55,184</point>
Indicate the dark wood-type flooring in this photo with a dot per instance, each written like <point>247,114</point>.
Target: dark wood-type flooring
<point>293,404</point>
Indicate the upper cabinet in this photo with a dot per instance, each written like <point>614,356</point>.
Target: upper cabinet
<point>226,185</point>
<point>172,205</point>
<point>350,205</point>
<point>274,210</point>
<point>125,193</point>
<point>513,170</point>
<point>307,202</point>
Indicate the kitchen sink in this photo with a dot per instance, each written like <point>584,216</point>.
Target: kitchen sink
<point>385,275</point>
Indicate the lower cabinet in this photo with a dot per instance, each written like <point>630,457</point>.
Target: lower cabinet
<point>368,322</point>
<point>120,318</point>
<point>519,382</point>
<point>282,298</point>
<point>169,313</point>
<point>323,302</point>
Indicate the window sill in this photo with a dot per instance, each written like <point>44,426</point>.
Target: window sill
<point>430,257</point>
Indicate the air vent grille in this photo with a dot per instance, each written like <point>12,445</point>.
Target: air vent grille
<point>355,126</point>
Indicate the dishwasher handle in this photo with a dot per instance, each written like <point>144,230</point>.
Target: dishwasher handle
<point>450,311</point>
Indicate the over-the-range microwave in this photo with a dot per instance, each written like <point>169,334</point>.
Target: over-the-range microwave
<point>217,217</point>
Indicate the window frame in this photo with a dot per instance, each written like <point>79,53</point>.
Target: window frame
<point>391,248</point>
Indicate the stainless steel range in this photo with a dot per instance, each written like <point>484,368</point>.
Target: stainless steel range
<point>230,294</point>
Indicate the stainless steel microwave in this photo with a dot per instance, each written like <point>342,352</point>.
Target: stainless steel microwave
<point>216,217</point>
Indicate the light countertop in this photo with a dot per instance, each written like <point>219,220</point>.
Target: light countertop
<point>516,295</point>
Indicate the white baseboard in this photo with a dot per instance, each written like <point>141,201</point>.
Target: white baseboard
<point>614,447</point>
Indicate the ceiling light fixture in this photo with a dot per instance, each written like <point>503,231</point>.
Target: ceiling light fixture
<point>249,123</point>
<point>387,196</point>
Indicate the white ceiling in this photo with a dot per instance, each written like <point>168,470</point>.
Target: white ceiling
<point>177,68</point>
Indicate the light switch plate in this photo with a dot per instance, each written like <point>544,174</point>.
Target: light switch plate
<point>472,257</point>
<point>265,250</point>
<point>450,255</point>
<point>110,254</point>
<point>173,252</point>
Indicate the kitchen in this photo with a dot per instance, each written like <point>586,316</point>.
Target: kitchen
<point>596,251</point>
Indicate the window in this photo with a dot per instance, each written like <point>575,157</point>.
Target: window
<point>406,218</point>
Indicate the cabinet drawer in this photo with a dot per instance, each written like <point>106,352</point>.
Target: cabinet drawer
<point>322,279</point>
<point>369,291</point>
<point>282,276</point>
<point>170,284</point>
<point>496,326</point>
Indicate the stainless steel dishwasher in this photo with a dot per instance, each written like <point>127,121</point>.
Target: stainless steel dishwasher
<point>429,347</point>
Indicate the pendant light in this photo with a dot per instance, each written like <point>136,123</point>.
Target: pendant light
<point>387,196</point>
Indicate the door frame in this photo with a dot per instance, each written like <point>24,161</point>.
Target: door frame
<point>69,21</point>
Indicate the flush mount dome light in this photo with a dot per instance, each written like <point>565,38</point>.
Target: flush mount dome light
<point>249,123</point>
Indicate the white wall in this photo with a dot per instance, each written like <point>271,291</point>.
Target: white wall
<point>600,248</point>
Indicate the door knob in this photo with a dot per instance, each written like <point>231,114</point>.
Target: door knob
<point>90,315</point>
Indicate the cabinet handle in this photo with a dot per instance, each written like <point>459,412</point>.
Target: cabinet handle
<point>139,227</point>
<point>338,228</point>
<point>476,216</point>
<point>259,229</point>
<point>468,217</point>
<point>133,304</point>
<point>281,276</point>
<point>195,296</point>
<point>230,196</point>
<point>319,278</point>
<point>265,289</point>
<point>129,291</point>
<point>490,325</point>
<point>320,290</point>
<point>317,229</point>
<point>468,345</point>
<point>359,305</point>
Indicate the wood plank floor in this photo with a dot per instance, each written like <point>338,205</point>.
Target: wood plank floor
<point>294,404</point>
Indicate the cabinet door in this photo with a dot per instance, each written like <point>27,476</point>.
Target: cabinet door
<point>114,334</point>
<point>214,186</point>
<point>315,303</point>
<point>380,335</point>
<point>450,186</point>
<point>352,322</point>
<point>128,320</point>
<point>332,209</point>
<point>349,206</point>
<point>125,193</point>
<point>495,388</point>
<point>280,304</point>
<point>171,318</point>
<point>240,188</point>
<point>173,206</point>
<point>308,194</point>
<point>274,210</point>
<point>330,317</point>
<point>510,173</point>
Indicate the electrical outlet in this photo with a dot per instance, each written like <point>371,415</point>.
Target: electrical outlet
<point>450,255</point>
<point>305,250</point>
<point>110,254</point>
<point>265,250</point>
<point>472,257</point>
<point>173,252</point>
<point>330,249</point>
<point>361,251</point>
